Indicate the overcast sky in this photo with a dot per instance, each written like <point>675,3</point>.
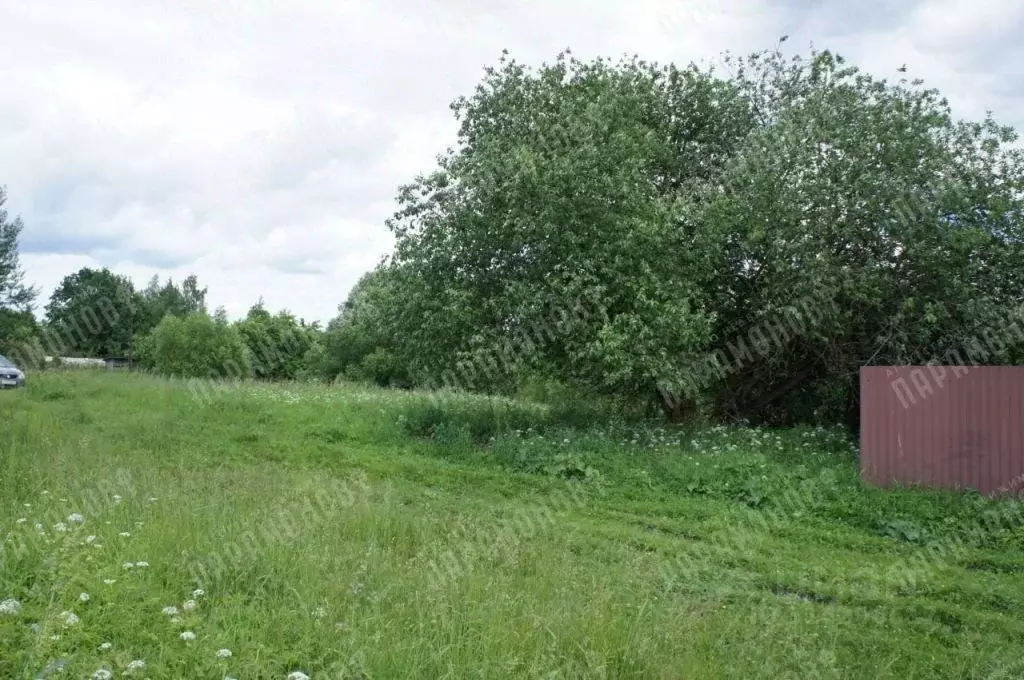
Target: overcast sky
<point>259,144</point>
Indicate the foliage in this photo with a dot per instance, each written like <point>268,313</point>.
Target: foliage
<point>170,298</point>
<point>903,226</point>
<point>279,345</point>
<point>92,313</point>
<point>363,343</point>
<point>195,346</point>
<point>736,246</point>
<point>717,244</point>
<point>14,294</point>
<point>580,164</point>
<point>18,331</point>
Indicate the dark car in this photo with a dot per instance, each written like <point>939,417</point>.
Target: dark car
<point>10,375</point>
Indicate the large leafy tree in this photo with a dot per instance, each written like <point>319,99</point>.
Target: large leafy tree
<point>677,212</point>
<point>15,295</point>
<point>93,312</point>
<point>159,300</point>
<point>904,224</point>
<point>557,216</point>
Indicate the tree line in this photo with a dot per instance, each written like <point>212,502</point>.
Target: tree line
<point>732,243</point>
<point>165,327</point>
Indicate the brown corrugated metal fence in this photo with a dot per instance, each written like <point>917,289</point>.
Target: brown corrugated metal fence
<point>943,426</point>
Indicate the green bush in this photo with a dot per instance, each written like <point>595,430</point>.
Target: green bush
<point>279,345</point>
<point>195,346</point>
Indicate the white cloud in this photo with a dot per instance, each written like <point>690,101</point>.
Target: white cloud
<point>259,144</point>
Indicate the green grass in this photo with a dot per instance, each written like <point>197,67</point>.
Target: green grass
<point>347,532</point>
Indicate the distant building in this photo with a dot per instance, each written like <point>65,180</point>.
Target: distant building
<point>82,361</point>
<point>77,362</point>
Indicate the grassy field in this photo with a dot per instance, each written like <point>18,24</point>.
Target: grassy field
<point>349,533</point>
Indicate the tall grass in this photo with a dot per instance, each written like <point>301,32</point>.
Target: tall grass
<point>348,532</point>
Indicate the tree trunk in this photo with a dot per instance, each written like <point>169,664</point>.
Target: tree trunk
<point>676,408</point>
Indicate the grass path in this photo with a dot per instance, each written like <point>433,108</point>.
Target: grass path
<point>328,539</point>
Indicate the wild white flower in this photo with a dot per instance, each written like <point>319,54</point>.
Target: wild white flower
<point>152,499</point>
<point>128,565</point>
<point>21,520</point>
<point>170,611</point>
<point>28,505</point>
<point>136,665</point>
<point>319,613</point>
<point>189,605</point>
<point>142,565</point>
<point>60,527</point>
<point>70,618</point>
<point>188,636</point>
<point>297,675</point>
<point>110,581</point>
<point>90,539</point>
<point>124,534</point>
<point>117,498</point>
<point>84,597</point>
<point>175,620</point>
<point>105,646</point>
<point>223,653</point>
<point>39,526</point>
<point>97,545</point>
<point>198,592</point>
<point>11,606</point>
<point>55,637</point>
<point>75,517</point>
<point>102,674</point>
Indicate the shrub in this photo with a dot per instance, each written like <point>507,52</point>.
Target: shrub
<point>195,346</point>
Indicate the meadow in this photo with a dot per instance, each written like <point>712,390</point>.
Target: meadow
<point>304,531</point>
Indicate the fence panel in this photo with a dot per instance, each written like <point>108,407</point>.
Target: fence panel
<point>957,427</point>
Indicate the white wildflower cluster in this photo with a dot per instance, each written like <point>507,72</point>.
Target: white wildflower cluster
<point>68,622</point>
<point>136,665</point>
